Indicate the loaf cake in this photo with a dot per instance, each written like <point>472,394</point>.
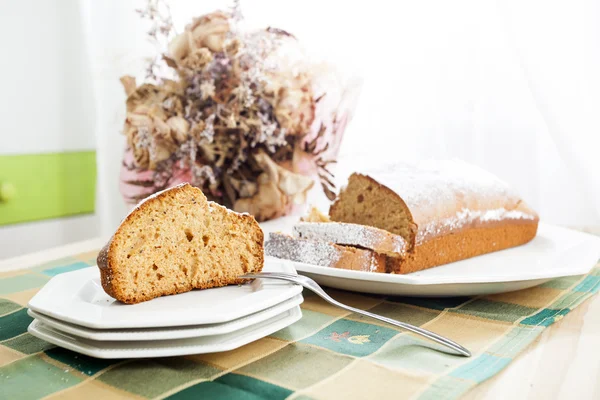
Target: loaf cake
<point>366,237</point>
<point>326,254</point>
<point>445,210</point>
<point>176,241</point>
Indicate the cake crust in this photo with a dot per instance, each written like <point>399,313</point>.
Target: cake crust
<point>465,244</point>
<point>115,272</point>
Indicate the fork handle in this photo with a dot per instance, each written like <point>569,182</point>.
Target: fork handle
<point>415,329</point>
<point>314,287</point>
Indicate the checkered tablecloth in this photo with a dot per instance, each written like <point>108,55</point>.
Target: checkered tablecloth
<point>328,354</point>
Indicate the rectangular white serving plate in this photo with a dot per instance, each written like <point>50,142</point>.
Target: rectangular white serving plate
<point>555,252</point>
<point>78,298</point>
<point>165,348</point>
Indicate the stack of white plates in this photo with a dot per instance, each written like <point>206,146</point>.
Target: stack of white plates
<point>74,312</point>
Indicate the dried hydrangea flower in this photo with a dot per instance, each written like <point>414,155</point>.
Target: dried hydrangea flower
<point>208,89</point>
<point>197,59</point>
<point>209,31</point>
<point>277,189</point>
<point>152,133</point>
<point>244,95</point>
<point>295,108</point>
<point>180,129</point>
<point>208,132</point>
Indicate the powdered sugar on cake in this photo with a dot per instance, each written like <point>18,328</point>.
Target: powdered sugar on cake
<point>429,183</point>
<point>467,217</point>
<point>317,252</point>
<point>351,234</point>
<point>305,251</point>
<point>433,191</point>
<point>373,263</point>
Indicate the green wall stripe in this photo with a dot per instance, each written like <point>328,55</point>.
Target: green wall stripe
<point>48,185</point>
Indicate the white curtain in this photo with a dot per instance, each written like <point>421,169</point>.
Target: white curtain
<point>512,86</point>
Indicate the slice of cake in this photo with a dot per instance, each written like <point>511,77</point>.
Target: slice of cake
<point>176,241</point>
<point>446,210</point>
<point>325,254</point>
<point>366,237</point>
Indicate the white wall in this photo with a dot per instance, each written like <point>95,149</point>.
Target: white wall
<point>46,104</point>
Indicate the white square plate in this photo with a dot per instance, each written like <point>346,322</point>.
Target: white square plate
<point>165,348</point>
<point>554,252</point>
<point>78,298</point>
<point>176,332</point>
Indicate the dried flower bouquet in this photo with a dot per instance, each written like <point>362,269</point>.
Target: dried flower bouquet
<point>247,119</point>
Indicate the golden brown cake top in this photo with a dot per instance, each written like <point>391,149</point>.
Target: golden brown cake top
<point>446,195</point>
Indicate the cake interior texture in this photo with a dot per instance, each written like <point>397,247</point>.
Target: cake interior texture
<point>366,202</point>
<point>178,241</point>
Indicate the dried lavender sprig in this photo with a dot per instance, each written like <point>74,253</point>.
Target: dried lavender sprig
<point>160,33</point>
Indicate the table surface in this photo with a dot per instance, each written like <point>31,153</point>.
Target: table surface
<point>562,363</point>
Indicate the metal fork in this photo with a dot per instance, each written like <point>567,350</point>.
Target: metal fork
<point>313,286</point>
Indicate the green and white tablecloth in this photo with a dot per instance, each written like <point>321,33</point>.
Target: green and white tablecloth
<point>328,354</point>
